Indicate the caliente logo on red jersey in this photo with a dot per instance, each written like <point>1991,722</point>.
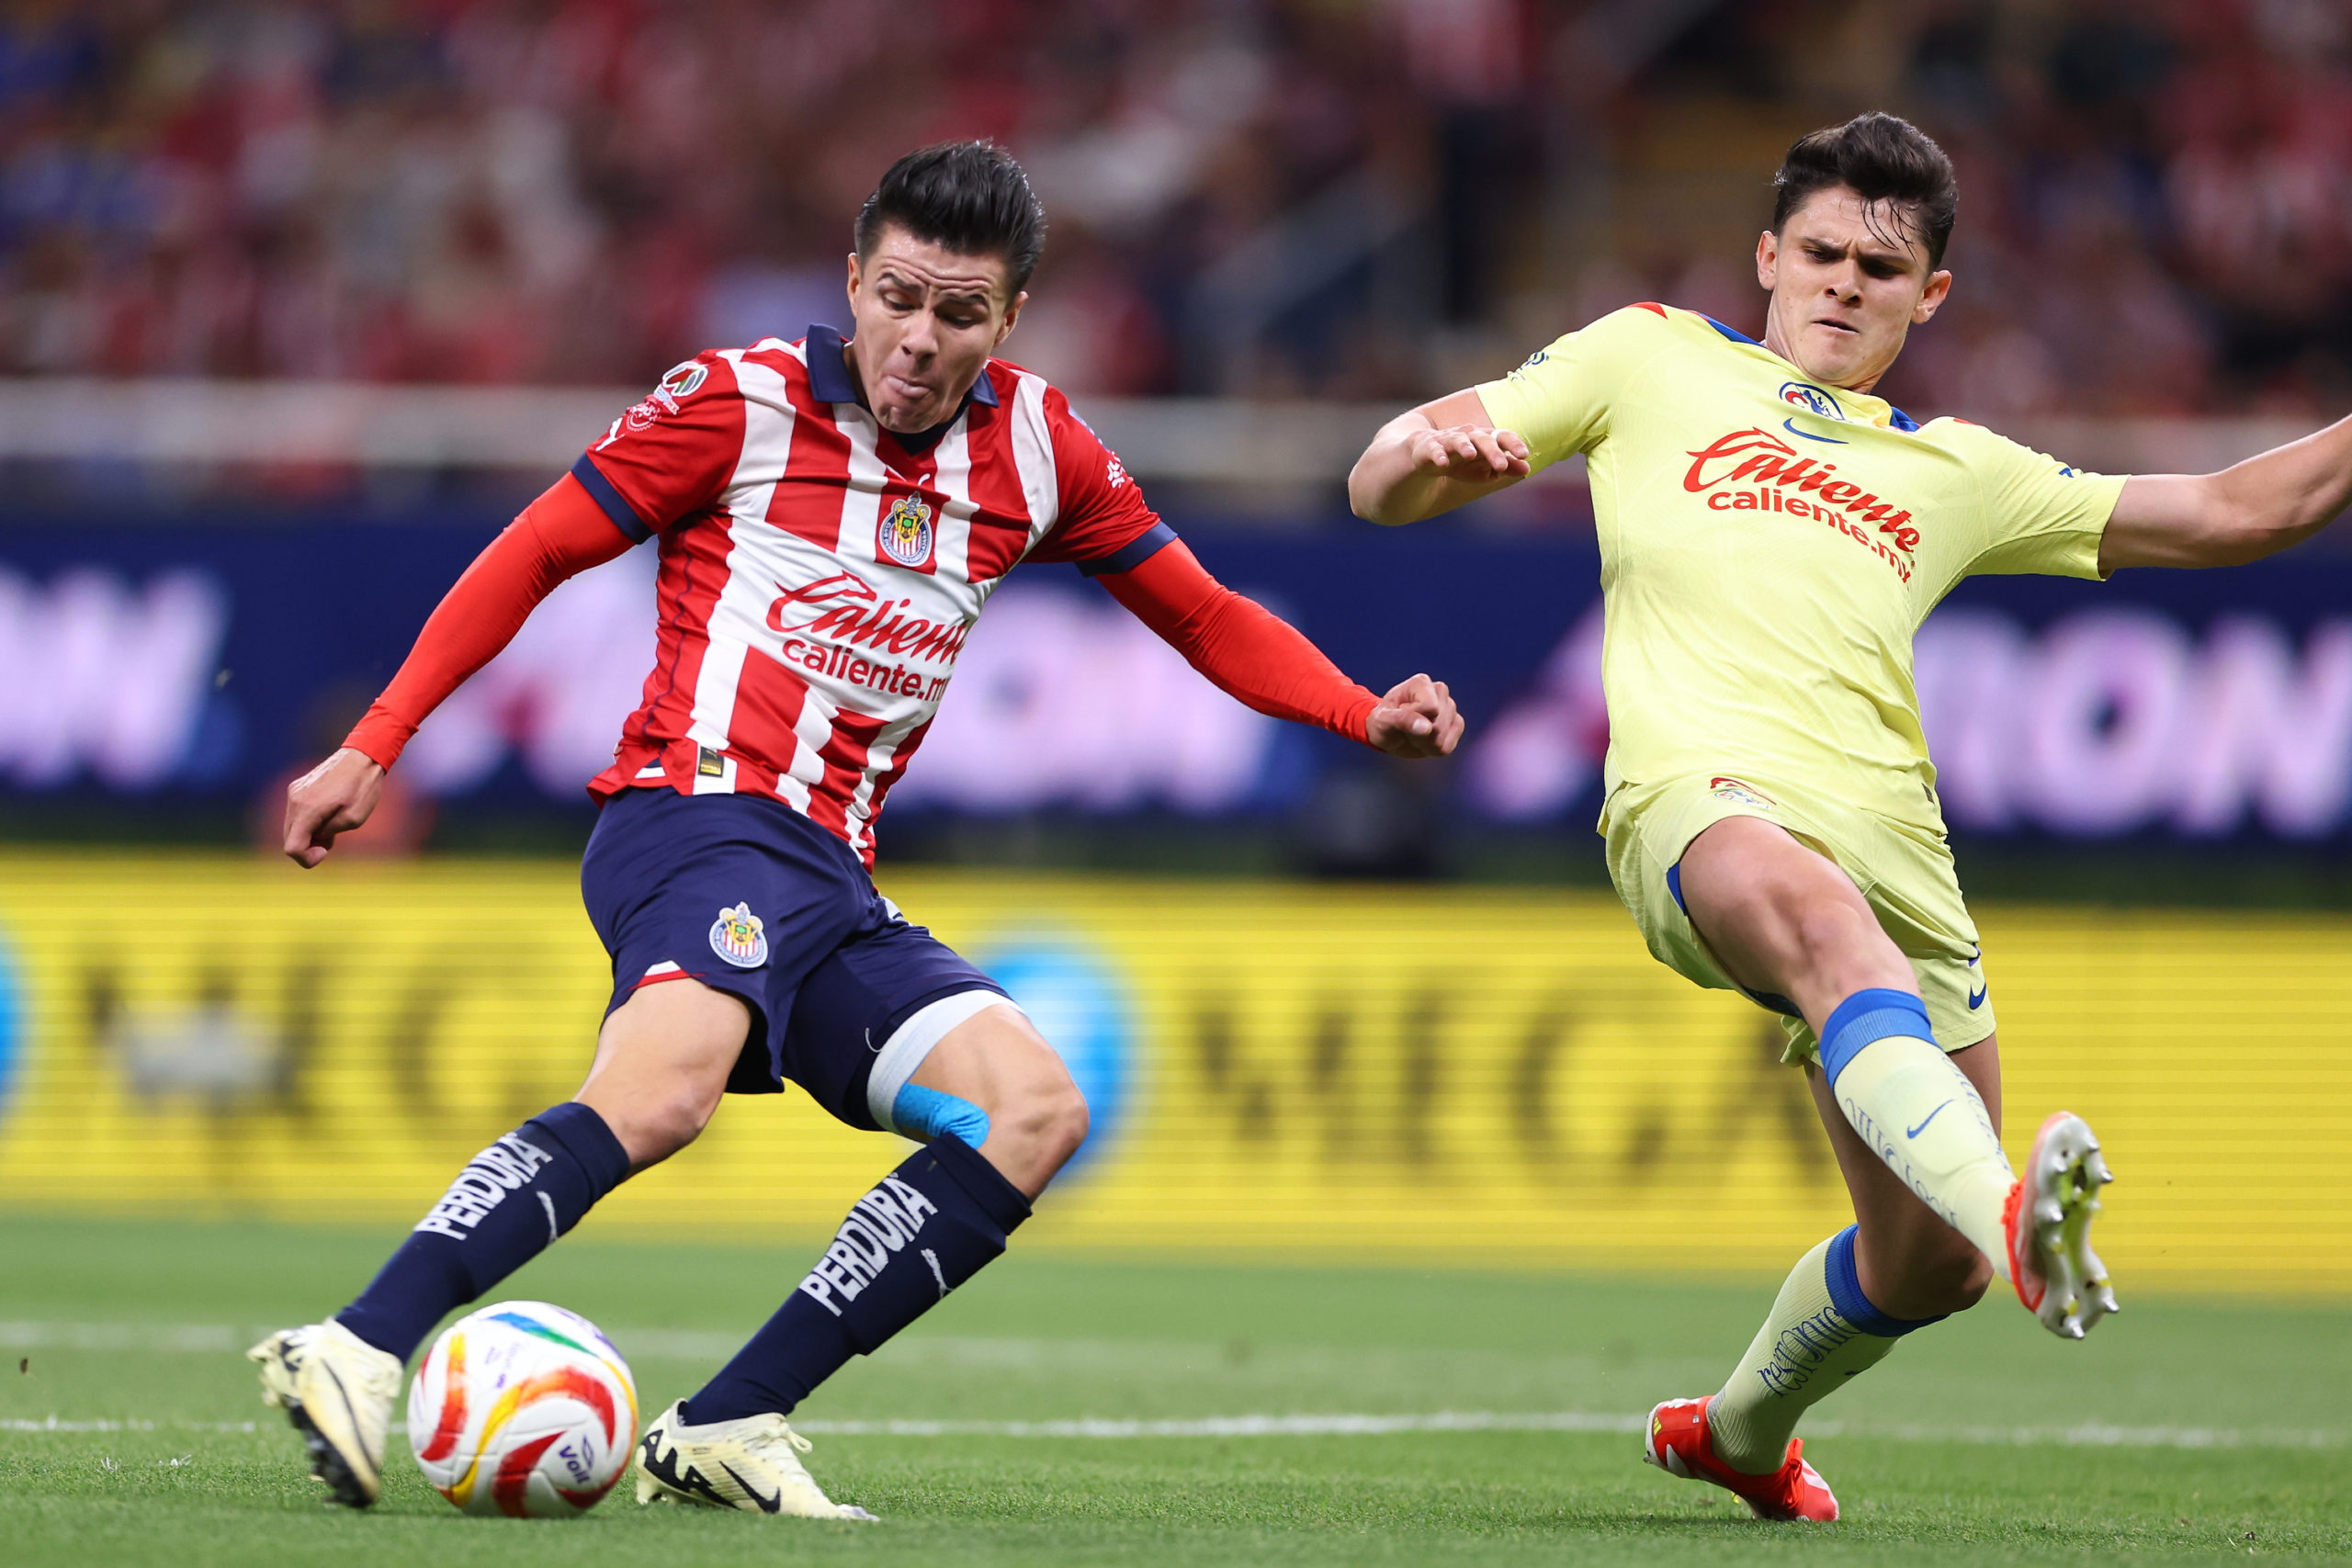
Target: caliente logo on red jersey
<point>1755,470</point>
<point>842,627</point>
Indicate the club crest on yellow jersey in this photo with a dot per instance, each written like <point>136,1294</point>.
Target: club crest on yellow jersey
<point>1812,399</point>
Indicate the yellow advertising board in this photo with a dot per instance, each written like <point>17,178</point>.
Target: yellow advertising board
<point>1491,1075</point>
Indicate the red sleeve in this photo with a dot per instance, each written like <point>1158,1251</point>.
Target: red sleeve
<point>671,455</point>
<point>1251,654</point>
<point>1104,522</point>
<point>561,534</point>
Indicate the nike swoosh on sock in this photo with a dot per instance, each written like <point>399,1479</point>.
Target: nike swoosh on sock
<point>1915,1132</point>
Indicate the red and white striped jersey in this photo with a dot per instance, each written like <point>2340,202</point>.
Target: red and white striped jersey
<point>818,575</point>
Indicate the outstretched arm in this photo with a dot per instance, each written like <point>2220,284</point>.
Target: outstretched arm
<point>1433,458</point>
<point>2250,510</point>
<point>561,534</point>
<point>1261,661</point>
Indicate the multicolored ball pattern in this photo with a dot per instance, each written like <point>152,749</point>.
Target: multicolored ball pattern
<point>523,1409</point>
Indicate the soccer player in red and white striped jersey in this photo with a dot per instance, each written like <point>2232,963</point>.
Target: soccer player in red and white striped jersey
<point>832,515</point>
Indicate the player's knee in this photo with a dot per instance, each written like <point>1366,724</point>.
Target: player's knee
<point>659,1126</point>
<point>1052,1119</point>
<point>1830,934</point>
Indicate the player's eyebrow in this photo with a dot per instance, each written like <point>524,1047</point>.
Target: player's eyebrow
<point>1867,253</point>
<point>949,291</point>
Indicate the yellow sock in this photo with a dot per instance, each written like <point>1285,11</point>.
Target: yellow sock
<point>1822,1330</point>
<point>1920,1113</point>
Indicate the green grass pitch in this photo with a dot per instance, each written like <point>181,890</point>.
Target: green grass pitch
<point>2214,1431</point>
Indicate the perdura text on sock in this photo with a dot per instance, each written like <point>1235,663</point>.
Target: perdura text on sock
<point>879,1224</point>
<point>504,1166</point>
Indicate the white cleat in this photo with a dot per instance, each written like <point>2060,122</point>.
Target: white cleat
<point>2058,1277</point>
<point>338,1391</point>
<point>752,1465</point>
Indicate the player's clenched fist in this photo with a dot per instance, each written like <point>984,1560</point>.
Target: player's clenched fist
<point>1415,720</point>
<point>334,798</point>
<point>1470,453</point>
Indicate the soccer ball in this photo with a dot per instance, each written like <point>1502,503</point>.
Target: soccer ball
<point>523,1409</point>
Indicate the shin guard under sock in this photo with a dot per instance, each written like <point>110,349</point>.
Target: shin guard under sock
<point>1920,1113</point>
<point>506,1206</point>
<point>932,1224</point>
<point>1822,1330</point>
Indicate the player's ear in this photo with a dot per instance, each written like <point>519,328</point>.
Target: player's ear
<point>1011,314</point>
<point>856,276</point>
<point>1931,299</point>
<point>1768,260</point>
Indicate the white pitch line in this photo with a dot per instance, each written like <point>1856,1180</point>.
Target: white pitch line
<point>173,1337</point>
<point>1239,1425</point>
<point>1351,1426</point>
<point>2087,1435</point>
<point>54,1424</point>
<point>693,1344</point>
<point>209,1338</point>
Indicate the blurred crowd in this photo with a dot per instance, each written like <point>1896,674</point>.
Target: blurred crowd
<point>1267,197</point>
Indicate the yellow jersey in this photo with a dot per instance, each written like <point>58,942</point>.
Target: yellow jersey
<point>1769,546</point>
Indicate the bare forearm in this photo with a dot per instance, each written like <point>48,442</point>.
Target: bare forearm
<point>1386,486</point>
<point>2247,511</point>
<point>1431,459</point>
<point>2291,492</point>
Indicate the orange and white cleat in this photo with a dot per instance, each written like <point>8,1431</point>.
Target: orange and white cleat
<point>1679,1444</point>
<point>2048,1222</point>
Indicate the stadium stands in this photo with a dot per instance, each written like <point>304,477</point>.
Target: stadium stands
<point>1248,198</point>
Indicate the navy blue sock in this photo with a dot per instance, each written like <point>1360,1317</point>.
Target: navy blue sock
<point>932,1224</point>
<point>506,1206</point>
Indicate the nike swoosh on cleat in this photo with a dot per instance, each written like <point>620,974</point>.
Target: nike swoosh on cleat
<point>1915,1132</point>
<point>767,1504</point>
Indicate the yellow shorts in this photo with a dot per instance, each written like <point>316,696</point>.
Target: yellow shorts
<point>1903,870</point>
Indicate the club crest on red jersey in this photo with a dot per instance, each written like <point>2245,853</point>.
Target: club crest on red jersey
<point>739,937</point>
<point>905,533</point>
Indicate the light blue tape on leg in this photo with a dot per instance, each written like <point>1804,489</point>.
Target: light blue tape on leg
<point>925,1113</point>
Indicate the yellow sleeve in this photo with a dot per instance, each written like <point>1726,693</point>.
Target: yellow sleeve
<point>1559,400</point>
<point>2040,515</point>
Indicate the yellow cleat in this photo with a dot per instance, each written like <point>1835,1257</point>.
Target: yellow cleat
<point>752,1465</point>
<point>337,1389</point>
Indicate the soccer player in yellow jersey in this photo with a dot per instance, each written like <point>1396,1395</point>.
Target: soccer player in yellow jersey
<point>1771,534</point>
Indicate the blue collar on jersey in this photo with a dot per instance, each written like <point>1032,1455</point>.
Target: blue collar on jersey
<point>1900,420</point>
<point>828,377</point>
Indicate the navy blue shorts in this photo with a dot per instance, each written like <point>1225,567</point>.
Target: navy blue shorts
<point>750,897</point>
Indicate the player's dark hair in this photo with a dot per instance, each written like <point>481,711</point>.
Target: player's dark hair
<point>1881,158</point>
<point>970,197</point>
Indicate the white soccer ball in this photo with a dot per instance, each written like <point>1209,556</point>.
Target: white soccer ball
<point>523,1409</point>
